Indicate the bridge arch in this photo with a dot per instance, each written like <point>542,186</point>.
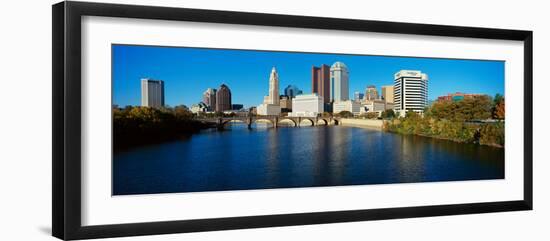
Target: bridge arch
<point>322,121</point>
<point>307,120</point>
<point>225,122</point>
<point>335,122</point>
<point>255,120</point>
<point>288,120</point>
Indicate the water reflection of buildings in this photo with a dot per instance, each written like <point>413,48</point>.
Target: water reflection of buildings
<point>410,165</point>
<point>339,144</point>
<point>321,168</point>
<point>272,159</point>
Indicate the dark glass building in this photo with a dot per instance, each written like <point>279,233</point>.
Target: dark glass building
<point>320,82</point>
<point>223,98</point>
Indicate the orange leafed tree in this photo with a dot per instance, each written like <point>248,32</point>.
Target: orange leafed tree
<point>499,110</point>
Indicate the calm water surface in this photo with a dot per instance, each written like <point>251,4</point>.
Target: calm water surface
<point>239,158</point>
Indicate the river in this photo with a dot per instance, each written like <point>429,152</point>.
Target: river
<point>239,158</point>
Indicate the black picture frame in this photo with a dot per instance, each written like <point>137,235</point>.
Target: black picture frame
<point>66,75</point>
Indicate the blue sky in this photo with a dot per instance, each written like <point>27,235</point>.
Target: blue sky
<point>188,72</point>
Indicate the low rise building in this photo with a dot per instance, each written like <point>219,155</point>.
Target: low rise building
<point>310,105</point>
<point>457,96</point>
<point>286,103</point>
<point>268,109</point>
<point>375,106</point>
<point>200,107</point>
<point>349,105</point>
<point>389,106</point>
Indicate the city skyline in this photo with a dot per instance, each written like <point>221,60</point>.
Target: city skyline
<point>188,72</point>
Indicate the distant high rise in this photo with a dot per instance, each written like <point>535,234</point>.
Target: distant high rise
<point>320,81</point>
<point>371,93</point>
<point>223,98</point>
<point>339,80</point>
<point>410,91</point>
<point>358,96</point>
<point>292,91</point>
<point>271,105</point>
<point>273,97</point>
<point>209,98</point>
<point>387,93</point>
<point>152,93</point>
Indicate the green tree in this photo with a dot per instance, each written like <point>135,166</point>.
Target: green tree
<point>388,114</point>
<point>345,114</point>
<point>182,112</point>
<point>136,125</point>
<point>476,108</point>
<point>497,99</point>
<point>492,134</point>
<point>371,115</point>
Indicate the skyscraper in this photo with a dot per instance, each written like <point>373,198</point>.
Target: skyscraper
<point>152,93</point>
<point>223,98</point>
<point>320,82</point>
<point>292,91</point>
<point>339,82</point>
<point>271,105</point>
<point>209,98</point>
<point>387,93</point>
<point>371,93</point>
<point>273,97</point>
<point>410,91</point>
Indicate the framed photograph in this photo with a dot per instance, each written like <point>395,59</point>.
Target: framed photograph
<point>172,120</point>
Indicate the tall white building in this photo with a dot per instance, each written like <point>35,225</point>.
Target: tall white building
<point>273,97</point>
<point>410,91</point>
<point>271,105</point>
<point>310,105</point>
<point>152,93</point>
<point>339,82</point>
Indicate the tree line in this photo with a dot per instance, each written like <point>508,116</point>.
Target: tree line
<point>472,120</point>
<point>141,125</point>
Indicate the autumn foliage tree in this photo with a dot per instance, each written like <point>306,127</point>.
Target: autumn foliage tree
<point>463,121</point>
<point>498,110</point>
<point>139,125</point>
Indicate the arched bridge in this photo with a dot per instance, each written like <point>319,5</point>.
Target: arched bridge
<point>274,120</point>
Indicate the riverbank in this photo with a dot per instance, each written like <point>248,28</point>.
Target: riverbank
<point>482,134</point>
<point>137,126</point>
<point>489,134</point>
<point>363,123</point>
